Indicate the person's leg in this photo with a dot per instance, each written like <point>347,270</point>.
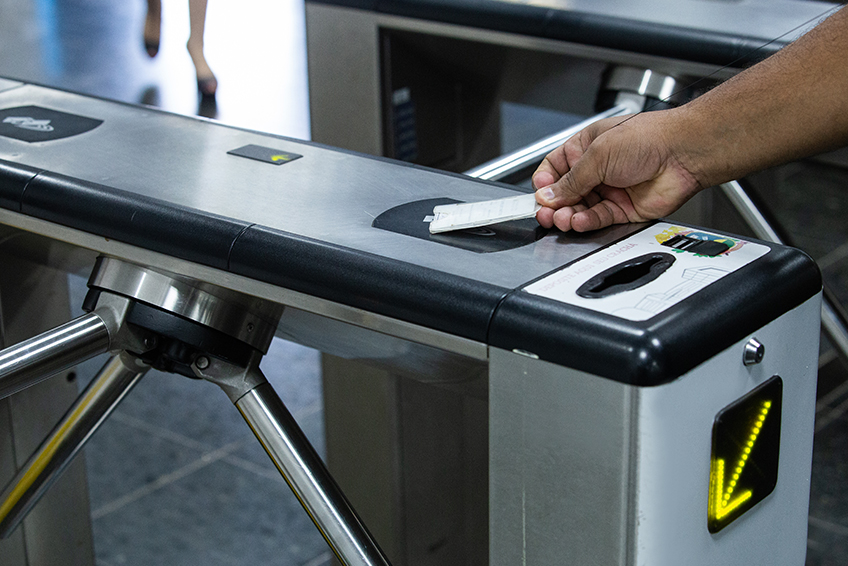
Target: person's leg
<point>206,82</point>
<point>152,26</point>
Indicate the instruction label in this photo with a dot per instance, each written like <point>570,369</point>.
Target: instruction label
<point>690,272</point>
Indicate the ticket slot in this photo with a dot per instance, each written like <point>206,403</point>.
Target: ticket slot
<point>626,276</point>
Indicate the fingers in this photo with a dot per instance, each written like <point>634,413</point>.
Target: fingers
<point>573,186</point>
<point>561,218</point>
<point>555,167</point>
<point>605,213</point>
<point>582,219</point>
<point>594,212</point>
<point>556,164</point>
<point>574,169</point>
<point>603,176</point>
<point>543,176</point>
<point>557,170</point>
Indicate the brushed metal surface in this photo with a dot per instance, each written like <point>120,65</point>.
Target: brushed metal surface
<point>589,471</point>
<point>307,476</point>
<point>248,319</point>
<point>57,532</point>
<point>329,195</point>
<point>50,245</point>
<point>47,464</point>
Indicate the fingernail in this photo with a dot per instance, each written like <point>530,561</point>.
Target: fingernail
<point>547,193</point>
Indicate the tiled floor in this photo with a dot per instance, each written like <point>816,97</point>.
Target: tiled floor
<point>176,477</point>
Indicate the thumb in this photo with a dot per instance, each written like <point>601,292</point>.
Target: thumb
<point>570,189</point>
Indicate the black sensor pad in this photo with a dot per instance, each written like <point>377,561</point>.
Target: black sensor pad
<point>409,219</point>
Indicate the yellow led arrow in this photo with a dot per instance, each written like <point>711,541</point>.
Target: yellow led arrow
<point>279,157</point>
<point>721,504</point>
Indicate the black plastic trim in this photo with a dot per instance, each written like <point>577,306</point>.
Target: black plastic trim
<point>396,289</point>
<point>13,181</point>
<point>626,276</point>
<point>640,353</point>
<point>598,30</point>
<point>141,221</point>
<point>688,44</point>
<point>670,344</point>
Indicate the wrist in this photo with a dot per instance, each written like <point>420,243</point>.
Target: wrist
<point>701,146</point>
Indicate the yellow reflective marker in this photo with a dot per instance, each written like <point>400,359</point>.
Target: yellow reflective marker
<point>746,434</point>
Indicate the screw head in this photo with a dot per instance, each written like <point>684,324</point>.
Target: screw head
<point>202,362</point>
<point>754,352</point>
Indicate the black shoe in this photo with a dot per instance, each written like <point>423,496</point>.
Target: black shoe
<point>207,87</point>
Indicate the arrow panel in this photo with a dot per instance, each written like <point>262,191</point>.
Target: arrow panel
<point>745,453</point>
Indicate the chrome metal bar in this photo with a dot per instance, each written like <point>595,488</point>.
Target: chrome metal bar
<point>38,358</point>
<point>834,326</point>
<point>749,212</point>
<point>91,409</point>
<point>519,159</point>
<point>307,476</point>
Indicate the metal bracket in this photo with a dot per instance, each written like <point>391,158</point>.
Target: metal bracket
<point>235,380</point>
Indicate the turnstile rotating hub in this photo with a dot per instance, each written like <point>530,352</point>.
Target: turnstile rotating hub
<point>148,318</point>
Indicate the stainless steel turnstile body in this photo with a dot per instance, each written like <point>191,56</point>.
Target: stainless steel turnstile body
<point>584,433</point>
<point>644,453</point>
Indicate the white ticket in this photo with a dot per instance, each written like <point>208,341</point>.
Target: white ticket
<point>449,217</point>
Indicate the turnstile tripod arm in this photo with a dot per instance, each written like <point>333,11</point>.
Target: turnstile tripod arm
<point>42,356</point>
<point>296,460</point>
<point>834,322</point>
<point>58,450</point>
<point>504,166</point>
<point>100,331</point>
<point>305,473</point>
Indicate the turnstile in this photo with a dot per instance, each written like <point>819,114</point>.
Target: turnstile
<point>641,395</point>
<point>428,79</point>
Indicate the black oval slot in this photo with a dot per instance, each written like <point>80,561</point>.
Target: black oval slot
<point>626,276</point>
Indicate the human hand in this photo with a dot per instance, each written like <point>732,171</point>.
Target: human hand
<point>618,170</point>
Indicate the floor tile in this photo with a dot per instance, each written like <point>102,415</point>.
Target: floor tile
<point>218,515</point>
<point>828,527</point>
<point>121,459</point>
